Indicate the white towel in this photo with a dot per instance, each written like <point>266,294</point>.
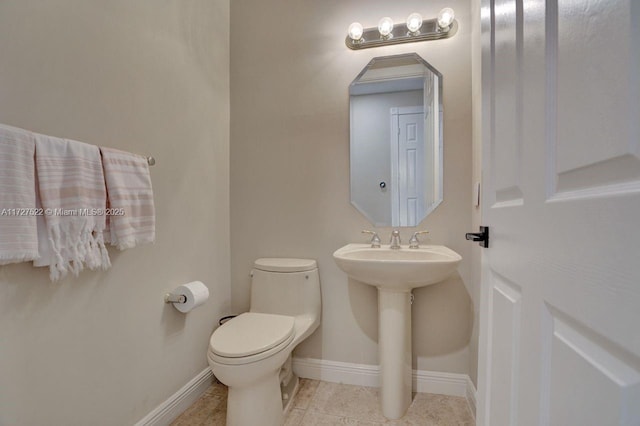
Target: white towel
<point>18,234</point>
<point>44,247</point>
<point>129,192</point>
<point>73,195</point>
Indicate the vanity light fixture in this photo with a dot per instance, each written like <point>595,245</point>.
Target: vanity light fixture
<point>415,29</point>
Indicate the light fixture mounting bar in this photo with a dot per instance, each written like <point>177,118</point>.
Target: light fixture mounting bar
<point>429,31</point>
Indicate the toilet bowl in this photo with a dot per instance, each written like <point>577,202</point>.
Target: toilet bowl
<point>247,352</point>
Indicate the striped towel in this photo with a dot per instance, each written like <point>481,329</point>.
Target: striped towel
<point>18,235</point>
<point>129,191</point>
<point>72,190</point>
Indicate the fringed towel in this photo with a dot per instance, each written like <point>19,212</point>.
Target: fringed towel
<point>73,195</point>
<point>18,234</point>
<point>130,196</point>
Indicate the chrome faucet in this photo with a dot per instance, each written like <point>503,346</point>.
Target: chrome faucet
<point>394,243</point>
<point>413,242</point>
<point>375,240</point>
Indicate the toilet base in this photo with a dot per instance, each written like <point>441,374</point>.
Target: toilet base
<point>257,404</point>
<point>289,391</point>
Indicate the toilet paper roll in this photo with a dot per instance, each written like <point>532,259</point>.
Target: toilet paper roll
<point>196,294</point>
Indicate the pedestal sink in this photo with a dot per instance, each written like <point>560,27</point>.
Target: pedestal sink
<point>395,272</point>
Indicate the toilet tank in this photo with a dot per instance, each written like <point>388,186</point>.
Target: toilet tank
<point>285,286</point>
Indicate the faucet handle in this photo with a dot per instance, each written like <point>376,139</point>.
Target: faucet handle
<point>375,239</point>
<point>394,241</point>
<point>413,242</point>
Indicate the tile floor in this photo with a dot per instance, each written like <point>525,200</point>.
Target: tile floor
<point>322,403</point>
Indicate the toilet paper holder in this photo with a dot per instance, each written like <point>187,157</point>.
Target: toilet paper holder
<point>187,297</point>
<point>175,298</point>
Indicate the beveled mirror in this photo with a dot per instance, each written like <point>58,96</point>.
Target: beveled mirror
<point>396,140</point>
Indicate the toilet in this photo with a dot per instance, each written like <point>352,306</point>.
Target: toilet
<point>248,352</point>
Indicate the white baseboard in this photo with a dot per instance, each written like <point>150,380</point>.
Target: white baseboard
<point>453,384</point>
<point>170,409</point>
<point>336,372</point>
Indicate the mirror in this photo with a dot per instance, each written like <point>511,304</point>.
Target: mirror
<point>396,140</point>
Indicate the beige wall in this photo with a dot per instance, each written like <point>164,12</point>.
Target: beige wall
<point>290,168</point>
<point>149,77</point>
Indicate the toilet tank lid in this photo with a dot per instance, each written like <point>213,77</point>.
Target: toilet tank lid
<point>285,264</point>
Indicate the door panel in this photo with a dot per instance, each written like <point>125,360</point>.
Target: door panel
<point>505,339</point>
<point>587,370</point>
<point>507,104</point>
<point>602,76</point>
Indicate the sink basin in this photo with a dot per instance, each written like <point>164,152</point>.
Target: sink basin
<point>395,273</point>
<point>402,269</point>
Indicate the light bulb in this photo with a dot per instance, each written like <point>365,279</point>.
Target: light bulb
<point>414,22</point>
<point>355,31</point>
<point>445,17</point>
<point>385,26</point>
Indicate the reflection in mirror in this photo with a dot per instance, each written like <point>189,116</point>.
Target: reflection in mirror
<point>396,140</point>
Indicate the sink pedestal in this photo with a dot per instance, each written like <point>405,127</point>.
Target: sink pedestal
<point>395,272</point>
<point>394,351</point>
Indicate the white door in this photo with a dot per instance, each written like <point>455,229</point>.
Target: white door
<point>407,168</point>
<point>560,298</point>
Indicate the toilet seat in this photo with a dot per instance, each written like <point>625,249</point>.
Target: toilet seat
<point>250,337</point>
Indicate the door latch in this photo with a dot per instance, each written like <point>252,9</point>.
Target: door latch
<point>482,237</point>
